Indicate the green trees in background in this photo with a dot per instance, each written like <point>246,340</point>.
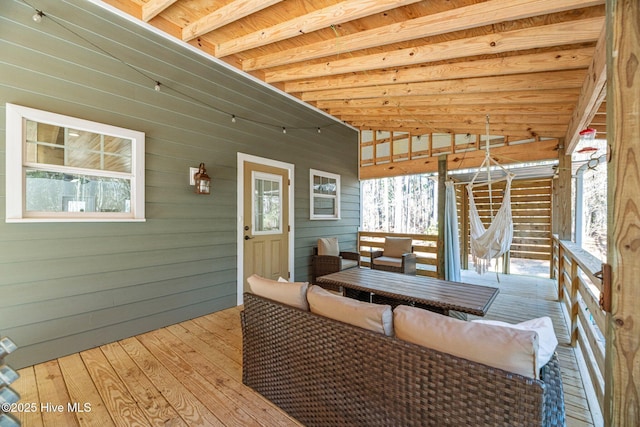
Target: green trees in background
<point>402,204</point>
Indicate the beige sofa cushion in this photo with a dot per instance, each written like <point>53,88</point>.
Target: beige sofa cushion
<point>395,247</point>
<point>289,293</point>
<point>328,246</point>
<point>388,261</point>
<point>510,349</point>
<point>543,326</point>
<point>374,317</point>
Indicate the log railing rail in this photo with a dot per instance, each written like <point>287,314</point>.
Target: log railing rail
<point>424,246</point>
<point>579,289</point>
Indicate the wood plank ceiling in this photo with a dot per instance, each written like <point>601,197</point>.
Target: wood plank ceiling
<point>437,66</point>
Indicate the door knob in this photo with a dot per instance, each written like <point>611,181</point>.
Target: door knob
<point>247,237</point>
<point>246,228</point>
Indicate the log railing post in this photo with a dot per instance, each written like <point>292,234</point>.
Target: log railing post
<point>560,272</point>
<point>573,298</point>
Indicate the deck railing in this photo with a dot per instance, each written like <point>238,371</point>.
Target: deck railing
<point>579,288</point>
<point>424,246</point>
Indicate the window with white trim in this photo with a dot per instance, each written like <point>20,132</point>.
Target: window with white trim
<point>325,195</point>
<point>62,168</point>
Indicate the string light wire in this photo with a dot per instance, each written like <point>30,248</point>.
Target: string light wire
<point>159,86</point>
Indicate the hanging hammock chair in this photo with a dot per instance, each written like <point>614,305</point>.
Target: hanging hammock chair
<point>494,241</point>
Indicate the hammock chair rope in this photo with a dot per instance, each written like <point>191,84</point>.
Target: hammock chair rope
<point>494,241</point>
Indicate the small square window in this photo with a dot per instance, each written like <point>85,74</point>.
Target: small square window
<point>324,195</point>
<point>61,168</point>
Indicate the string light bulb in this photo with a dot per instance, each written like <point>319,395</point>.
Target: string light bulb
<point>319,131</point>
<point>233,118</point>
<point>284,129</point>
<point>157,87</point>
<point>37,17</point>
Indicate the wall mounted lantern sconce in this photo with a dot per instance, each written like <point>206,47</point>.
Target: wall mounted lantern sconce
<point>200,180</point>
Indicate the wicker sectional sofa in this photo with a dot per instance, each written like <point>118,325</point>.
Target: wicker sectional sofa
<point>328,373</point>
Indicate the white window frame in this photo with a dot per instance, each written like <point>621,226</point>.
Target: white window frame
<point>313,196</point>
<point>16,118</point>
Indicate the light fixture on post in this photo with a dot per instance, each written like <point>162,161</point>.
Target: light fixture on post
<point>202,181</point>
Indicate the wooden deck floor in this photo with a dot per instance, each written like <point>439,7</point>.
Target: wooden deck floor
<point>190,373</point>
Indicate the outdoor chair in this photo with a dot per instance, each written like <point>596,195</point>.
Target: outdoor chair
<point>327,258</point>
<point>397,256</point>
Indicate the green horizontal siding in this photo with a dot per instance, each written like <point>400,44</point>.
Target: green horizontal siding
<point>66,287</point>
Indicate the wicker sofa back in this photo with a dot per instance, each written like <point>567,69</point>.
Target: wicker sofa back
<point>327,373</point>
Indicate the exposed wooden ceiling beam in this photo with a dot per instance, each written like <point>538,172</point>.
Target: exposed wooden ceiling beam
<point>227,14</point>
<point>477,15</point>
<point>342,12</point>
<point>477,120</point>
<point>541,110</point>
<point>528,96</point>
<point>152,8</point>
<point>517,82</point>
<point>532,63</point>
<point>495,139</point>
<point>579,31</point>
<point>592,94</point>
<point>540,129</point>
<point>542,150</point>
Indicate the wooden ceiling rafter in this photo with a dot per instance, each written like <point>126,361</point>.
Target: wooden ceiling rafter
<point>477,120</point>
<point>493,98</point>
<point>540,110</point>
<point>518,82</point>
<point>556,60</point>
<point>322,18</point>
<point>223,16</point>
<point>529,129</point>
<point>153,8</point>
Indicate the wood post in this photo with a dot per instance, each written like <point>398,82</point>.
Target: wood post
<point>506,263</point>
<point>573,298</point>
<point>622,366</point>
<point>464,220</point>
<point>554,254</point>
<point>561,261</point>
<point>562,196</point>
<point>442,178</point>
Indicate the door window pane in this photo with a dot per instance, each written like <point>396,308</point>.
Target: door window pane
<point>267,203</point>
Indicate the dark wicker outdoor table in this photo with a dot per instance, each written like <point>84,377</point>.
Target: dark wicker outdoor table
<point>426,292</point>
